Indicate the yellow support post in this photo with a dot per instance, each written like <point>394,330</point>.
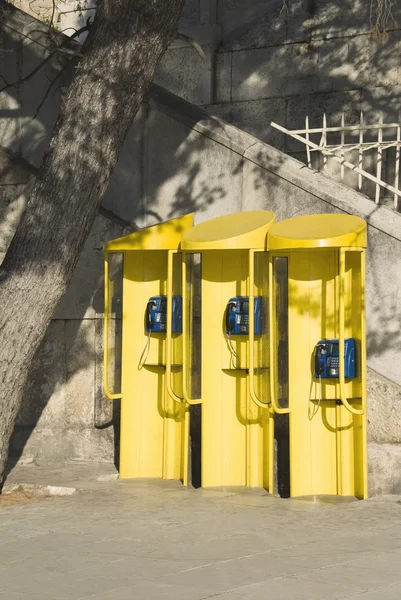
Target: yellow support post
<point>273,342</point>
<point>185,339</point>
<point>106,349</point>
<point>169,335</point>
<point>343,396</point>
<point>261,403</point>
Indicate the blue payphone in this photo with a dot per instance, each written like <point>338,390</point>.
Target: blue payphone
<point>327,359</point>
<point>156,315</point>
<point>237,316</point>
<point>156,320</point>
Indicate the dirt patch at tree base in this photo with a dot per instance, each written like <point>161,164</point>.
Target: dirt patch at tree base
<point>17,497</point>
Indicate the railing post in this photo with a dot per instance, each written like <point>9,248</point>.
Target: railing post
<point>328,150</point>
<point>307,138</point>
<point>360,163</point>
<point>397,166</point>
<point>379,158</point>
<point>324,140</point>
<point>342,145</point>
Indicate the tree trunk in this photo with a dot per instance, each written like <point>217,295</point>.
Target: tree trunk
<point>120,56</point>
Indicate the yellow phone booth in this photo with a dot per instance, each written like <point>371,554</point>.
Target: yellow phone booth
<point>255,332</point>
<point>226,348</point>
<point>154,419</point>
<point>318,351</point>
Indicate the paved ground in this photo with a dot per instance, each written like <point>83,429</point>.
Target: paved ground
<point>124,540</point>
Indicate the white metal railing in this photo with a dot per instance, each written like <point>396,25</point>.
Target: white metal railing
<point>339,151</point>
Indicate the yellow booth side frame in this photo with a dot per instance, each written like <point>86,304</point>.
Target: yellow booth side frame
<point>237,423</point>
<point>326,299</point>
<point>154,418</point>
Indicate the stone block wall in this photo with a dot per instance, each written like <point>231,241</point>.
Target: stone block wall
<point>64,415</point>
<point>280,61</point>
<point>14,177</point>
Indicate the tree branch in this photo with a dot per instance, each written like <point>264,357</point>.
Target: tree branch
<point>48,58</point>
<point>52,17</point>
<point>52,82</point>
<point>69,52</point>
<point>191,42</point>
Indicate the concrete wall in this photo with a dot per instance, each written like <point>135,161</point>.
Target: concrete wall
<point>14,177</point>
<point>177,159</point>
<point>64,415</point>
<point>276,63</point>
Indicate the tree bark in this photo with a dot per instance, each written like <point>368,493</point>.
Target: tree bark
<point>119,60</point>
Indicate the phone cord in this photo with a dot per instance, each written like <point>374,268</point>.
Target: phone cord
<point>235,360</point>
<point>145,352</point>
<point>314,412</point>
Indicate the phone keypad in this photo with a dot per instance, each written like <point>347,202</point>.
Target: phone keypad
<point>243,323</point>
<point>334,362</point>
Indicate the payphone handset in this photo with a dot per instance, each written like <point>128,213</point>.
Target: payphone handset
<point>156,320</point>
<point>237,321</point>
<point>237,316</point>
<point>327,359</point>
<point>327,364</point>
<point>156,315</point>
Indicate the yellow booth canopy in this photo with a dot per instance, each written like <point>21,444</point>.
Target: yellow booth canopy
<point>162,236</point>
<point>318,231</point>
<point>230,232</point>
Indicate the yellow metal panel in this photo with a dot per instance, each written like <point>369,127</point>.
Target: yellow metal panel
<point>231,232</point>
<point>260,421</point>
<point>318,231</point>
<point>327,441</point>
<point>141,443</point>
<point>163,236</point>
<point>312,316</point>
<point>237,435</point>
<point>353,426</point>
<point>154,438</point>
<point>151,423</point>
<point>224,390</point>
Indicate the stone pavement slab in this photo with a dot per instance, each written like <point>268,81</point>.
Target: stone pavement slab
<point>125,540</point>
